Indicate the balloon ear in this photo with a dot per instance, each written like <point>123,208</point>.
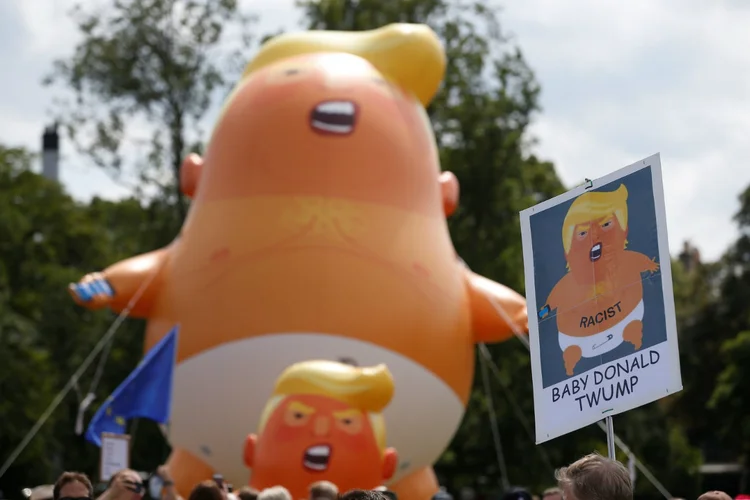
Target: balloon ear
<point>390,461</point>
<point>450,191</point>
<point>190,173</point>
<point>249,452</point>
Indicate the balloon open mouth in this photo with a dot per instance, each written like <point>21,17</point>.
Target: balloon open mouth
<point>334,117</point>
<point>596,252</point>
<point>316,458</point>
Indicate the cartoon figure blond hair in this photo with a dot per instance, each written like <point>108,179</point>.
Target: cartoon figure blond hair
<point>599,301</point>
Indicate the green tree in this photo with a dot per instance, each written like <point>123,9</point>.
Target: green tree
<point>729,398</point>
<point>730,394</point>
<point>151,67</point>
<point>45,238</point>
<point>712,346</point>
<point>49,240</point>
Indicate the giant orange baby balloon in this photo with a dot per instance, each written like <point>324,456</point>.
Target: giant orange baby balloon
<point>317,231</point>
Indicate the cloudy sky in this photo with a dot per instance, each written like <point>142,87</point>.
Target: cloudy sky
<point>620,81</point>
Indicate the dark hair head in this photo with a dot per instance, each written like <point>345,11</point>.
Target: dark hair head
<point>363,495</point>
<point>206,490</point>
<point>72,477</point>
<point>247,493</point>
<point>517,493</point>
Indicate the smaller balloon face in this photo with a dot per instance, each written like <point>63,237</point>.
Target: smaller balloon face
<point>310,437</point>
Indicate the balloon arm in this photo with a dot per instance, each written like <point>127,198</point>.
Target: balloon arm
<point>126,278</point>
<point>128,275</point>
<point>485,296</point>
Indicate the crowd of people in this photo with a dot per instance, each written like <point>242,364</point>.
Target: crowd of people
<point>593,477</point>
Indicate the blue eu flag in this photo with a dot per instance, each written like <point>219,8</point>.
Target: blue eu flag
<point>146,393</point>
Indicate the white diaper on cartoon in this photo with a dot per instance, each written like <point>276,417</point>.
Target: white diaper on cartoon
<point>604,341</point>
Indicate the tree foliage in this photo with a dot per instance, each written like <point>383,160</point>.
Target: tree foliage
<point>49,240</point>
<point>729,400</point>
<point>150,68</point>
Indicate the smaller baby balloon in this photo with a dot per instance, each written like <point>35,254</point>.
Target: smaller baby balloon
<point>324,421</point>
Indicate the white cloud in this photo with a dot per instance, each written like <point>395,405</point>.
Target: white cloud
<point>620,80</point>
<point>623,80</point>
<point>50,31</point>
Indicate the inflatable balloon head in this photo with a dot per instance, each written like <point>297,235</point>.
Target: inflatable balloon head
<point>330,125</point>
<point>323,421</point>
<point>317,230</point>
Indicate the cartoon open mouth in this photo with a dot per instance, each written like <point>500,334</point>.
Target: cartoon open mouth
<point>334,117</point>
<point>317,457</point>
<point>596,252</point>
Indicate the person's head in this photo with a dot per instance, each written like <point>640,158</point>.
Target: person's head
<point>517,493</point>
<point>442,495</point>
<point>206,490</point>
<point>327,417</point>
<point>364,495</point>
<point>714,495</point>
<point>594,477</point>
<point>247,493</point>
<point>72,485</point>
<point>552,494</point>
<point>125,485</point>
<point>275,493</point>
<point>323,490</point>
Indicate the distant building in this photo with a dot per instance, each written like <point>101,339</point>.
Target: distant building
<point>51,153</point>
<point>690,257</point>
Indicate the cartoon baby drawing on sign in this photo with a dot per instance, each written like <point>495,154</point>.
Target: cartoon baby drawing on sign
<point>599,301</point>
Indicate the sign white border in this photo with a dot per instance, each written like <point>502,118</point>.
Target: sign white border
<point>554,425</point>
<point>106,470</point>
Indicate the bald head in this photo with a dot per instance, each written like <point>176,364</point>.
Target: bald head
<point>714,495</point>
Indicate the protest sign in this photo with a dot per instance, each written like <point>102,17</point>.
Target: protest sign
<point>602,327</point>
<point>115,455</point>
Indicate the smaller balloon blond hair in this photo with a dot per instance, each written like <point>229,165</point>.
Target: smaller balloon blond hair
<point>592,206</point>
<point>369,389</point>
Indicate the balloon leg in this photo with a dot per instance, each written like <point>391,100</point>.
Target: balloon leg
<point>187,470</point>
<point>419,485</point>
